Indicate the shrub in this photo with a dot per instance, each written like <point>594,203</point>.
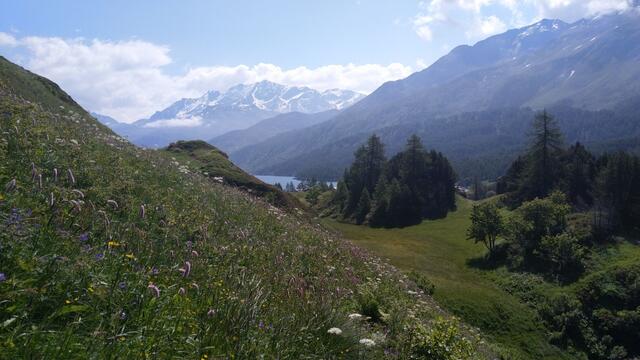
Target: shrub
<point>442,342</point>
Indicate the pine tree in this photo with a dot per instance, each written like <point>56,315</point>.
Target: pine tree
<point>340,197</point>
<point>543,154</point>
<point>364,206</point>
<point>381,204</point>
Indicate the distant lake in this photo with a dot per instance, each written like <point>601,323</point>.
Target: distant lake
<point>284,180</point>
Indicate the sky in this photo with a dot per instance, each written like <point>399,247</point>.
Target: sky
<point>128,59</point>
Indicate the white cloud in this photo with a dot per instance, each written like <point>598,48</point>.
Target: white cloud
<point>492,25</point>
<point>480,18</point>
<point>7,39</point>
<point>181,122</point>
<point>128,79</point>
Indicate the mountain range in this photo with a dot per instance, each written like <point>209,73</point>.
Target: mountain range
<point>482,97</point>
<point>240,107</point>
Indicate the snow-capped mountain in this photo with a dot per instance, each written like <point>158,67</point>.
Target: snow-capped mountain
<point>263,96</point>
<point>240,107</point>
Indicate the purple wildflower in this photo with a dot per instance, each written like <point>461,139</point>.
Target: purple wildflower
<point>99,256</point>
<point>155,271</point>
<point>122,285</point>
<point>83,237</point>
<point>3,277</point>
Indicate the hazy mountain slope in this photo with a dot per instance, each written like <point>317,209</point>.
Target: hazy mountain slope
<point>265,129</point>
<point>591,64</point>
<point>477,143</point>
<point>111,251</point>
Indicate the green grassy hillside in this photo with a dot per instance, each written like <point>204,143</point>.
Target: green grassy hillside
<point>208,160</point>
<point>111,251</point>
<point>440,251</point>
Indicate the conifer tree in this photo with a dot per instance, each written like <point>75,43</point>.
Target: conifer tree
<point>543,155</point>
<point>364,206</point>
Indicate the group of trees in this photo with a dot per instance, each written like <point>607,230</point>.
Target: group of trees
<point>413,185</point>
<point>565,201</point>
<point>608,184</point>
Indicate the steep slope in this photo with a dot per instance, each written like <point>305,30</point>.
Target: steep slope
<point>242,106</point>
<point>198,156</point>
<point>589,65</point>
<point>268,128</point>
<point>112,251</point>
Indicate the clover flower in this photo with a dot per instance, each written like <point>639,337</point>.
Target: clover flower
<point>334,331</point>
<point>154,289</point>
<point>186,270</point>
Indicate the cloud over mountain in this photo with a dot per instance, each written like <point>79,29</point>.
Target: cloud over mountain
<point>129,79</point>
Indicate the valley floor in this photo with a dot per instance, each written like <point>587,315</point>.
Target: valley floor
<point>440,251</point>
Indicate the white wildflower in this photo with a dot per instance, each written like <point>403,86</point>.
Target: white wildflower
<point>355,316</point>
<point>367,342</point>
<point>334,331</point>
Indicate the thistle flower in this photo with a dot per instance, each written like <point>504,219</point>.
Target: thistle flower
<point>142,211</point>
<point>154,289</point>
<point>10,186</point>
<point>113,204</point>
<point>367,342</point>
<point>334,331</point>
<point>70,176</point>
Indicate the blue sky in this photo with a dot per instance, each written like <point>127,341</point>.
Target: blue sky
<point>129,58</point>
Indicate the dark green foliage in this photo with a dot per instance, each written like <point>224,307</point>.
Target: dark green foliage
<point>619,190</point>
<point>413,185</point>
<point>364,206</point>
<point>603,317</point>
<point>486,225</point>
<point>530,223</point>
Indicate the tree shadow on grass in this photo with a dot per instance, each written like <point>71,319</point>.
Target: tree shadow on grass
<point>490,261</point>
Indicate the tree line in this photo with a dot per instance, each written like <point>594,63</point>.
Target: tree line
<point>566,204</point>
<point>413,185</point>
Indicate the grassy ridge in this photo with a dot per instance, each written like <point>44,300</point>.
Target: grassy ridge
<point>439,250</point>
<point>211,162</point>
<point>111,251</point>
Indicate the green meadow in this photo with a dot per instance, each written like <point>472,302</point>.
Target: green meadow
<point>439,250</point>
